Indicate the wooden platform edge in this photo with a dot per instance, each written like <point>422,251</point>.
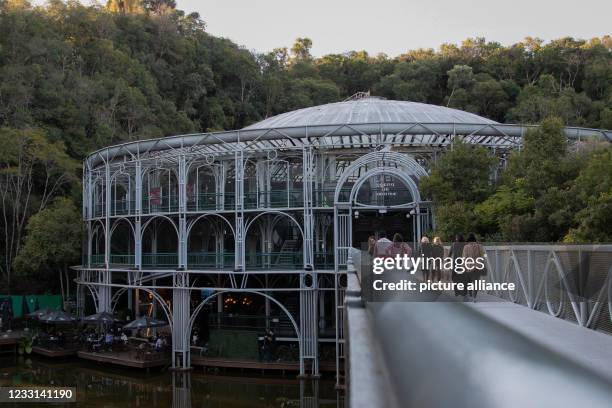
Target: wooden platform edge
<point>54,353</point>
<point>254,365</point>
<point>117,360</point>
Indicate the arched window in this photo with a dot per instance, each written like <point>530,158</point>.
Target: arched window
<point>201,188</point>
<point>250,184</point>
<point>160,191</point>
<point>122,194</point>
<point>274,240</point>
<point>122,243</point>
<point>160,244</point>
<point>210,244</point>
<point>98,199</point>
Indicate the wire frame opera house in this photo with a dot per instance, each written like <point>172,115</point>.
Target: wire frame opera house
<point>264,217</point>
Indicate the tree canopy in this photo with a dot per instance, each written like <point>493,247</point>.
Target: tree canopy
<point>546,192</point>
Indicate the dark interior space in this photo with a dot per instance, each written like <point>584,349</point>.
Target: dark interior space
<point>372,222</point>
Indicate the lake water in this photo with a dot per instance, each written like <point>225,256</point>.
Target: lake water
<point>107,386</point>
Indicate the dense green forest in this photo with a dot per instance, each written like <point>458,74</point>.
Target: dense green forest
<point>74,78</point>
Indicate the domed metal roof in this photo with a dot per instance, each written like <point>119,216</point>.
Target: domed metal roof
<point>369,110</point>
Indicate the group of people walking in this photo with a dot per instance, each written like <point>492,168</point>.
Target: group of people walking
<point>466,249</point>
<point>435,251</point>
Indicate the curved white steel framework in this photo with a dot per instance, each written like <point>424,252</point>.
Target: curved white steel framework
<point>337,136</point>
<point>309,175</point>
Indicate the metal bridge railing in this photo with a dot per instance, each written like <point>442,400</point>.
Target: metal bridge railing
<point>280,260</point>
<point>211,260</point>
<point>292,198</point>
<point>572,282</point>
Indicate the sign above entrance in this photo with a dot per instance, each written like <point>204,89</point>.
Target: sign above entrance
<point>383,190</point>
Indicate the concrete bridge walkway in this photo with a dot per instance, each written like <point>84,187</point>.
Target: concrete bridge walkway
<point>587,347</point>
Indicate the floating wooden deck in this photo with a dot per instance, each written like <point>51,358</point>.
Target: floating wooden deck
<point>202,361</point>
<point>54,353</point>
<point>8,345</point>
<point>126,359</point>
<point>9,341</point>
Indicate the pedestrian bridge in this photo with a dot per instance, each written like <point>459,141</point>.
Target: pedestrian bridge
<point>548,343</point>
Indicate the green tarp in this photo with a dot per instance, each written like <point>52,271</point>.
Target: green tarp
<point>44,301</point>
<point>240,344</point>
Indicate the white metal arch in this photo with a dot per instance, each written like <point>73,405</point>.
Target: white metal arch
<point>276,220</point>
<point>94,295</point>
<point>97,180</point>
<point>252,220</point>
<point>97,195</point>
<point>190,170</point>
<point>116,296</point>
<point>296,327</point>
<point>408,163</point>
<point>116,180</point>
<point>120,172</point>
<point>99,224</point>
<point>193,174</point>
<point>193,222</point>
<point>173,170</point>
<point>157,297</point>
<point>117,222</point>
<point>146,225</point>
<point>97,227</point>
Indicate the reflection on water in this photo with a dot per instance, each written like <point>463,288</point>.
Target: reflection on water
<point>104,386</point>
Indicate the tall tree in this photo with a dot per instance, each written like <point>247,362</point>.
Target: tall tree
<point>125,6</point>
<point>52,242</point>
<point>458,180</point>
<point>32,172</point>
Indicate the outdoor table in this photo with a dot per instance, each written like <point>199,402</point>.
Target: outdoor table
<point>92,343</point>
<point>53,341</point>
<point>138,340</point>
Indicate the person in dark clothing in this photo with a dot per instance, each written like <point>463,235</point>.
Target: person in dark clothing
<point>425,251</point>
<point>474,250</point>
<point>269,343</point>
<point>371,245</point>
<point>437,253</point>
<point>456,251</point>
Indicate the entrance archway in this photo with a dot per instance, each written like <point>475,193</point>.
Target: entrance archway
<point>382,204</point>
<point>374,168</point>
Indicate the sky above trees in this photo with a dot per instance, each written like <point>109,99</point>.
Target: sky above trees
<point>395,26</point>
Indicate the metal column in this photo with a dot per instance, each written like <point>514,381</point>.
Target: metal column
<point>182,238</point>
<point>181,356</point>
<point>239,214</point>
<point>308,279</point>
<point>104,276</point>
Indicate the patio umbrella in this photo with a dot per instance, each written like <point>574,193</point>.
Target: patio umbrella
<point>37,314</point>
<point>57,317</point>
<point>101,318</point>
<point>145,322</point>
